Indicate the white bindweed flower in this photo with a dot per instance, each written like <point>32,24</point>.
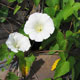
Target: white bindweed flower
<point>18,42</point>
<point>39,26</point>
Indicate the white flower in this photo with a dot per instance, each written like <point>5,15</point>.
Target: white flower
<point>39,26</point>
<point>18,42</point>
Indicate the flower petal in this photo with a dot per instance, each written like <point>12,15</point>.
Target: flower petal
<point>44,22</point>
<point>17,41</point>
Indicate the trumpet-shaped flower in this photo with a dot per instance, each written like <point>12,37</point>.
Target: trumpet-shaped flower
<point>39,26</point>
<point>18,42</point>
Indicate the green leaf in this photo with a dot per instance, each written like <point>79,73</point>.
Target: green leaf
<point>19,1</point>
<point>52,2</point>
<point>16,9</point>
<point>68,33</point>
<point>11,56</point>
<point>76,14</point>
<point>29,60</point>
<point>72,61</point>
<point>59,79</point>
<point>11,0</point>
<point>63,56</point>
<point>77,70</point>
<point>20,55</point>
<point>12,76</point>
<point>22,61</point>
<point>71,2</point>
<point>55,47</point>
<point>61,41</point>
<point>47,79</point>
<point>76,6</point>
<point>2,69</point>
<point>57,20</point>
<point>3,13</point>
<point>2,19</point>
<point>62,69</point>
<point>76,24</point>
<point>73,74</point>
<point>25,63</point>
<point>21,30</point>
<point>65,13</point>
<point>63,45</point>
<point>68,11</point>
<point>3,52</point>
<point>63,3</point>
<point>36,2</point>
<point>59,37</point>
<point>46,42</point>
<point>50,11</point>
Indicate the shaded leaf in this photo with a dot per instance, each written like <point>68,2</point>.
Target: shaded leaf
<point>3,13</point>
<point>11,56</point>
<point>12,76</point>
<point>72,61</point>
<point>25,63</point>
<point>59,37</point>
<point>36,2</point>
<point>76,24</point>
<point>11,0</point>
<point>19,1</point>
<point>25,68</point>
<point>73,74</point>
<point>63,56</point>
<point>4,53</point>
<point>46,42</point>
<point>63,3</point>
<point>21,30</point>
<point>59,79</point>
<point>55,47</point>
<point>77,70</point>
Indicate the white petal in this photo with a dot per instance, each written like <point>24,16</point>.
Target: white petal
<point>45,21</point>
<point>10,46</point>
<point>17,41</point>
<point>39,37</point>
<point>24,44</point>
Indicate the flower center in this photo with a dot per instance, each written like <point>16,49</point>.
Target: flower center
<point>38,27</point>
<point>16,45</point>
